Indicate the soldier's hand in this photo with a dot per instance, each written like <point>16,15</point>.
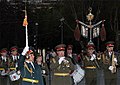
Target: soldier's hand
<point>60,60</point>
<point>18,72</point>
<point>111,68</point>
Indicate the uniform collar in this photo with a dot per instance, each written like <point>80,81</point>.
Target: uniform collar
<point>28,61</point>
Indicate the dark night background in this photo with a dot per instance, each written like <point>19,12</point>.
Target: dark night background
<point>47,14</point>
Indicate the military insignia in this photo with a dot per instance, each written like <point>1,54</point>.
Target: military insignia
<point>30,70</point>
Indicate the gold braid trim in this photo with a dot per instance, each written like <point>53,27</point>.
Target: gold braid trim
<point>30,70</point>
<point>103,56</point>
<point>113,64</point>
<point>54,61</point>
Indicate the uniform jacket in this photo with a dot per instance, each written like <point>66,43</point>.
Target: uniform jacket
<point>4,62</point>
<point>107,59</point>
<point>25,73</point>
<point>61,69</point>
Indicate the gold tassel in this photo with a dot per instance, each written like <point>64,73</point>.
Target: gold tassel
<point>30,70</point>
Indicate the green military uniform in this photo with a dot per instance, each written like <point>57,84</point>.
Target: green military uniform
<point>13,64</point>
<point>110,60</point>
<point>4,67</point>
<point>91,65</point>
<point>61,71</point>
<point>44,71</point>
<point>44,68</point>
<point>110,78</point>
<point>90,70</point>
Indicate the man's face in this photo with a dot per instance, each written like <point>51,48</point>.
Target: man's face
<point>14,52</point>
<point>110,49</point>
<point>90,50</point>
<point>69,51</point>
<point>4,54</point>
<point>31,57</point>
<point>39,59</point>
<point>61,53</point>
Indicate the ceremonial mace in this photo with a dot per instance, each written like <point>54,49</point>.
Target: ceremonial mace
<point>90,17</point>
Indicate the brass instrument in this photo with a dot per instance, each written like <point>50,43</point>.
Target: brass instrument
<point>113,64</point>
<point>105,59</point>
<point>99,55</point>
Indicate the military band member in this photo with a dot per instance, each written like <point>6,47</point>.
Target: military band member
<point>30,71</point>
<point>109,64</point>
<point>4,66</point>
<point>13,65</point>
<point>70,54</point>
<point>90,65</point>
<point>61,67</point>
<point>44,68</point>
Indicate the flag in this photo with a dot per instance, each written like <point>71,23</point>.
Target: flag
<point>77,33</point>
<point>96,32</point>
<point>25,20</point>
<point>84,31</point>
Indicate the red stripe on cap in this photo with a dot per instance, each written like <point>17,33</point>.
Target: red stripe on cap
<point>60,49</point>
<point>110,45</point>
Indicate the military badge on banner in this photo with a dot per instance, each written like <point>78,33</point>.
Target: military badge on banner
<point>84,31</point>
<point>96,32</point>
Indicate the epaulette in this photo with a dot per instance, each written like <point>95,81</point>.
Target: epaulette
<point>29,70</point>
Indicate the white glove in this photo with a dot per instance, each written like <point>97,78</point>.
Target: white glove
<point>18,72</point>
<point>25,50</point>
<point>93,57</point>
<point>110,68</point>
<point>60,60</point>
<point>43,71</point>
<point>115,59</point>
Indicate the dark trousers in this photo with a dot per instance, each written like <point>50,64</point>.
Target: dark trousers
<point>4,80</point>
<point>90,77</point>
<point>17,82</point>
<point>100,77</point>
<point>82,82</point>
<point>110,78</point>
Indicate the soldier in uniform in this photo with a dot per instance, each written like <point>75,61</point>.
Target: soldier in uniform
<point>109,64</point>
<point>70,54</point>
<point>61,67</point>
<point>13,64</point>
<point>44,68</point>
<point>90,65</point>
<point>30,71</point>
<point>4,66</point>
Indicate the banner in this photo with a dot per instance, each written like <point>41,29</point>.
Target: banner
<point>77,33</point>
<point>96,32</point>
<point>84,31</point>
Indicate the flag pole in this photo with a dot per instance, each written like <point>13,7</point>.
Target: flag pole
<point>25,23</point>
<point>26,36</point>
<point>26,26</point>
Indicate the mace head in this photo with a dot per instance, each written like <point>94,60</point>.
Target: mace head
<point>90,16</point>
